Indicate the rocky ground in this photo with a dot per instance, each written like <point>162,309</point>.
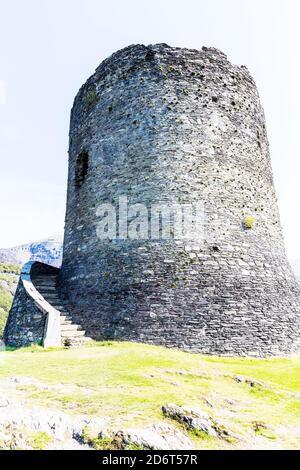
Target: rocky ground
<point>31,427</point>
<point>133,396</point>
<point>23,426</point>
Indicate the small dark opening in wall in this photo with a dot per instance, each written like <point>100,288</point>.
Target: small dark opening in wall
<point>82,166</point>
<point>150,55</point>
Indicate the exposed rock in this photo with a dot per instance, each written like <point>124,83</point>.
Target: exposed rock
<point>160,436</point>
<point>11,438</point>
<point>249,381</point>
<point>17,422</point>
<point>192,418</point>
<point>195,419</point>
<point>3,402</point>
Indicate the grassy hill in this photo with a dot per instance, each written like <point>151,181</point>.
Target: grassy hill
<point>9,275</point>
<point>256,400</point>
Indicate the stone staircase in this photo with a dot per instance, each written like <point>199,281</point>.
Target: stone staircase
<point>71,333</point>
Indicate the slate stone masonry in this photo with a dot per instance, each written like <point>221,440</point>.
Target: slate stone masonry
<point>163,123</point>
<point>27,318</point>
<point>26,323</point>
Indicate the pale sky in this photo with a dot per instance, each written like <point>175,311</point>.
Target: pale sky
<point>48,48</point>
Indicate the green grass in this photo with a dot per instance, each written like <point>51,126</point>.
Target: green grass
<point>129,382</point>
<point>10,268</point>
<point>9,274</point>
<point>39,440</point>
<point>5,304</point>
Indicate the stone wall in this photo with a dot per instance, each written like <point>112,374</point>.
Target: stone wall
<point>28,318</point>
<point>166,124</point>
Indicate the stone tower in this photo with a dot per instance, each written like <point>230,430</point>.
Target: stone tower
<point>160,123</point>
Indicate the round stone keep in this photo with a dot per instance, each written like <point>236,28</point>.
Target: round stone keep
<point>179,126</point>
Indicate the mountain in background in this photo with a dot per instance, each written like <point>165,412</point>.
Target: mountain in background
<point>47,251</point>
<point>295,263</point>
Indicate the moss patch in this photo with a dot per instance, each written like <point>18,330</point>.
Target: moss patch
<point>39,440</point>
<point>91,97</point>
<point>249,222</point>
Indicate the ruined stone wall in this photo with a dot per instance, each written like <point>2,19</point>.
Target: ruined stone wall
<point>161,123</point>
<point>28,315</point>
<point>26,323</point>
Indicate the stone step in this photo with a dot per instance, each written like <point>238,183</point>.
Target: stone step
<point>45,276</point>
<point>65,322</point>
<point>46,290</point>
<point>44,280</point>
<point>72,333</point>
<point>62,310</point>
<point>51,299</point>
<point>50,293</point>
<point>50,289</point>
<point>69,327</point>
<point>60,307</point>
<point>56,305</point>
<point>64,318</point>
<point>76,342</point>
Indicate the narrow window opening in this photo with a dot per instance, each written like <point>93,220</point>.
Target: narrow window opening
<point>82,165</point>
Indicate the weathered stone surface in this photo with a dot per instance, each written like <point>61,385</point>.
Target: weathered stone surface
<point>192,418</point>
<point>18,422</point>
<point>162,123</point>
<point>26,323</point>
<point>38,315</point>
<point>195,419</point>
<point>29,314</point>
<point>249,381</point>
<point>159,123</point>
<point>160,436</point>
